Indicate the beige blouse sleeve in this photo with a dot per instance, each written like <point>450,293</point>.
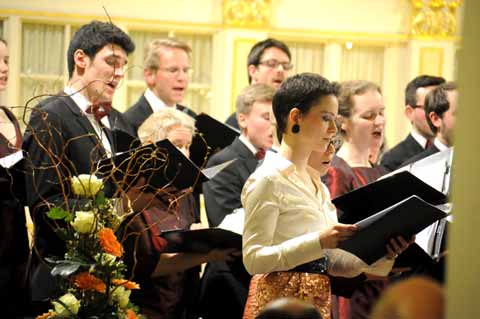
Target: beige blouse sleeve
<point>260,255</point>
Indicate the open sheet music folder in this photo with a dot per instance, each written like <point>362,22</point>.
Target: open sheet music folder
<point>383,193</point>
<point>162,164</point>
<point>200,240</point>
<point>406,218</point>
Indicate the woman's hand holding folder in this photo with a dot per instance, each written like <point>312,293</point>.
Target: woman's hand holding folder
<point>336,234</point>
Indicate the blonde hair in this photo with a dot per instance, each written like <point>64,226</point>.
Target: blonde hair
<point>258,92</point>
<point>156,126</point>
<point>153,50</point>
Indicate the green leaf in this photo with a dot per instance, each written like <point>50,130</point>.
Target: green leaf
<point>100,199</point>
<point>65,268</point>
<point>59,213</point>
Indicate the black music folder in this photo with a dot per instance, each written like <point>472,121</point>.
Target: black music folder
<point>406,218</point>
<point>212,133</point>
<point>161,163</point>
<point>200,240</point>
<point>377,196</point>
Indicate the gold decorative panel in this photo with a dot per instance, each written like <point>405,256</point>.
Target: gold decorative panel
<point>431,61</point>
<point>434,18</point>
<point>247,13</point>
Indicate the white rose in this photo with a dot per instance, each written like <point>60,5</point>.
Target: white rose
<point>86,185</point>
<point>105,259</point>
<point>121,295</point>
<point>72,303</point>
<point>84,222</point>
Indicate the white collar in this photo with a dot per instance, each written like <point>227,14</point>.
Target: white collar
<point>440,145</point>
<point>83,103</point>
<point>248,144</point>
<point>419,138</point>
<point>155,102</point>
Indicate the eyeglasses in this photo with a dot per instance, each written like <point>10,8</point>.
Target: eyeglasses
<point>174,71</point>
<point>418,106</point>
<point>287,66</point>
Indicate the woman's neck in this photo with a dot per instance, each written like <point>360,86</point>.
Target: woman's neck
<point>296,154</point>
<point>355,156</point>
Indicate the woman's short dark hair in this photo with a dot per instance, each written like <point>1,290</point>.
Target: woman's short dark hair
<point>301,91</point>
<point>92,37</point>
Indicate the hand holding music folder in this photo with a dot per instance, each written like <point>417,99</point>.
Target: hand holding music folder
<point>161,163</point>
<point>200,240</point>
<point>406,218</point>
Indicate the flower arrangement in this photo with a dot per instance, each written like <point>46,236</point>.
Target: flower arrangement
<point>92,268</point>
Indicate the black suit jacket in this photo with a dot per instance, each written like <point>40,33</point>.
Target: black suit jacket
<point>140,111</point>
<point>404,150</point>
<point>426,153</point>
<point>59,135</point>
<point>222,193</point>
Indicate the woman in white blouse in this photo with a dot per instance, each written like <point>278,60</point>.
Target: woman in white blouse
<point>291,228</point>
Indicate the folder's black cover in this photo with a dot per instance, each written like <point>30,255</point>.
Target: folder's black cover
<point>201,240</point>
<point>406,218</point>
<point>214,133</point>
<point>162,164</point>
<point>374,197</point>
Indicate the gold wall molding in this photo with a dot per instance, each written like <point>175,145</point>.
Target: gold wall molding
<point>436,19</point>
<point>431,61</point>
<point>247,13</point>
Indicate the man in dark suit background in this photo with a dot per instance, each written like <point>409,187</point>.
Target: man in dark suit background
<point>440,107</point>
<point>225,286</point>
<point>166,73</point>
<point>421,135</point>
<point>68,133</point>
<point>268,62</point>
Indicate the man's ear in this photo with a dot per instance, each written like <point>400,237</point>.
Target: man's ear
<point>435,119</point>
<point>149,76</point>
<point>409,112</point>
<point>242,121</point>
<point>252,70</point>
<point>81,60</point>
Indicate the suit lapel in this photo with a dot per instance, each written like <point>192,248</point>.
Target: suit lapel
<point>245,154</point>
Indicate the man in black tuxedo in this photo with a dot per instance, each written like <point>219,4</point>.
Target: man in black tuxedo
<point>268,62</point>
<point>225,286</point>
<point>68,133</point>
<point>166,73</point>
<point>421,135</point>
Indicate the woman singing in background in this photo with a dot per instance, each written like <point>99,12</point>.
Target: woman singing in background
<point>291,229</point>
<point>362,123</point>
<point>13,236</point>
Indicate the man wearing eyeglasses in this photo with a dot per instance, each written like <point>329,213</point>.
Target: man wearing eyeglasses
<point>268,62</point>
<point>421,136</point>
<point>166,73</point>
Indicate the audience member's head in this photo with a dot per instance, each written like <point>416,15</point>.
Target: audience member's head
<point>4,57</point>
<point>440,107</point>
<point>269,62</point>
<point>97,56</point>
<point>166,69</point>
<point>171,124</point>
<point>415,93</point>
<point>362,113</point>
<point>305,107</point>
<point>289,308</point>
<point>413,298</point>
<point>254,107</point>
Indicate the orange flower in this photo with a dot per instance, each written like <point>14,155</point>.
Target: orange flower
<point>126,283</point>
<point>46,315</point>
<point>131,314</point>
<point>86,281</point>
<point>109,242</point>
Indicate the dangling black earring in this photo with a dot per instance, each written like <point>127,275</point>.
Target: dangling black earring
<point>295,128</point>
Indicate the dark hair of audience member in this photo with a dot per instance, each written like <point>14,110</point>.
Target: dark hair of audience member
<point>420,81</point>
<point>289,308</point>
<point>301,91</point>
<point>92,37</point>
<point>437,102</point>
<point>257,50</point>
